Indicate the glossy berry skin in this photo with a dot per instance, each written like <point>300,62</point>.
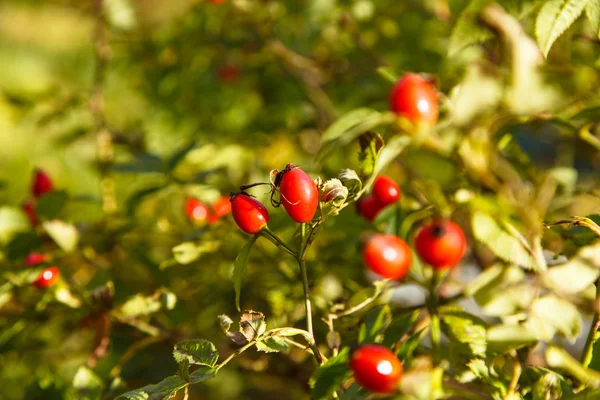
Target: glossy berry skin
<point>249,214</point>
<point>29,209</point>
<point>42,184</point>
<point>197,211</point>
<point>35,258</point>
<point>299,194</point>
<point>415,99</point>
<point>376,368</point>
<point>385,190</point>
<point>369,207</point>
<point>48,277</point>
<point>440,244</point>
<point>220,208</point>
<point>387,255</point>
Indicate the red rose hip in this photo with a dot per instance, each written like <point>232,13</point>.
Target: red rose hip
<point>376,368</point>
<point>48,277</point>
<point>440,244</point>
<point>387,255</point>
<point>299,194</point>
<point>29,209</point>
<point>220,208</point>
<point>249,214</point>
<point>197,211</point>
<point>35,258</point>
<point>385,190</point>
<point>415,99</point>
<point>42,183</point>
<point>369,207</point>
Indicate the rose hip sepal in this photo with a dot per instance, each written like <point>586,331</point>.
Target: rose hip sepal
<point>376,368</point>
<point>48,277</point>
<point>440,244</point>
<point>249,214</point>
<point>298,193</point>
<point>42,184</point>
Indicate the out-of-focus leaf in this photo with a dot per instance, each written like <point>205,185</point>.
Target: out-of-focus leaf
<point>355,392</point>
<point>64,295</point>
<point>239,269</point>
<point>554,18</point>
<point>465,328</point>
<point>50,205</point>
<point>120,14</point>
<point>374,325</point>
<point>22,244</point>
<point>196,352</point>
<point>503,338</point>
<point>5,293</point>
<point>371,144</point>
<point>400,326</point>
<point>135,199</point>
<point>188,252</point>
<point>577,274</point>
<point>163,390</point>
<point>592,11</point>
<point>548,387</point>
<point>12,221</point>
<point>87,385</point>
<point>179,155</point>
<point>501,243</point>
<point>64,234</point>
<point>559,313</point>
<point>330,376</point>
<point>349,126</point>
<point>144,305</point>
<point>559,358</point>
<point>144,163</point>
<point>467,30</point>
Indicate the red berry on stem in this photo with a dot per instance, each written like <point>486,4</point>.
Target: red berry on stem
<point>369,207</point>
<point>35,258</point>
<point>42,183</point>
<point>385,190</point>
<point>220,208</point>
<point>415,99</point>
<point>249,214</point>
<point>299,194</point>
<point>440,244</point>
<point>387,255</point>
<point>48,277</point>
<point>29,208</point>
<point>376,368</point>
<point>196,210</point>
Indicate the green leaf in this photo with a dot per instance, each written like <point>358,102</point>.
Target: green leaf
<point>465,328</point>
<point>400,326</point>
<point>188,252</point>
<point>349,126</point>
<point>87,385</point>
<point>503,338</point>
<point>467,30</point>
<point>144,163</point>
<point>22,244</point>
<point>559,313</point>
<point>501,243</point>
<point>406,350</point>
<point>355,392</point>
<point>51,204</point>
<point>64,234</point>
<point>592,12</point>
<point>330,376</point>
<point>577,274</point>
<point>371,144</point>
<point>196,352</point>
<point>272,344</point>
<point>5,293</point>
<point>179,155</point>
<point>12,221</point>
<point>145,305</point>
<point>374,325</point>
<point>559,358</point>
<point>239,269</point>
<point>554,18</point>
<point>202,374</point>
<point>135,199</point>
<point>163,390</point>
<point>350,179</point>
<point>548,387</point>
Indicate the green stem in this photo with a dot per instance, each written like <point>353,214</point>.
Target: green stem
<point>594,334</point>
<point>434,317</point>
<point>233,355</point>
<point>273,238</point>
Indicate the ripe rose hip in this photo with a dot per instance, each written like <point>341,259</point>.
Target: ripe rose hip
<point>440,244</point>
<point>197,211</point>
<point>376,368</point>
<point>415,99</point>
<point>220,208</point>
<point>228,73</point>
<point>249,214</point>
<point>299,194</point>
<point>48,277</point>
<point>35,258</point>
<point>29,209</point>
<point>385,190</point>
<point>387,255</point>
<point>369,207</point>
<point>42,184</point>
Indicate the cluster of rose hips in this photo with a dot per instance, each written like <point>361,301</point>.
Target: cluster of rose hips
<point>200,213</point>
<point>41,184</point>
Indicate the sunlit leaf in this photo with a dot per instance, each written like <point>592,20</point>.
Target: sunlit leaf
<point>163,390</point>
<point>196,352</point>
<point>329,377</point>
<point>468,30</point>
<point>374,325</point>
<point>63,233</point>
<point>554,18</point>
<point>592,12</point>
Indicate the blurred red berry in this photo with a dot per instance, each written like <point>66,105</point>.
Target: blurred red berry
<point>228,73</point>
<point>197,211</point>
<point>48,277</point>
<point>415,99</point>
<point>35,258</point>
<point>369,207</point>
<point>29,208</point>
<point>42,184</point>
<point>220,208</point>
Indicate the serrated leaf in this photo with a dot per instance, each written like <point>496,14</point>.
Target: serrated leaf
<point>64,234</point>
<point>371,144</point>
<point>50,205</point>
<point>375,323</point>
<point>330,376</point>
<point>554,18</point>
<point>196,352</point>
<point>252,324</point>
<point>592,12</point>
<point>87,385</point>
<point>239,269</point>
<point>467,30</point>
<point>560,313</point>
<point>503,338</point>
<point>465,328</point>
<point>272,344</point>
<point>163,390</point>
<point>501,243</point>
